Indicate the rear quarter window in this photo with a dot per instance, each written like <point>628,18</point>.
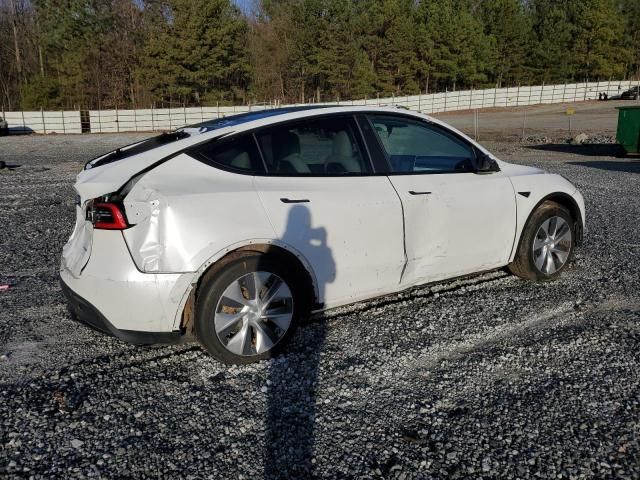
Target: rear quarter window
<point>237,154</point>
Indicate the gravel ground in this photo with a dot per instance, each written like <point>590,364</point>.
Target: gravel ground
<point>485,377</point>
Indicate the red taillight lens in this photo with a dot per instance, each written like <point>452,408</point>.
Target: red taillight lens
<point>106,216</point>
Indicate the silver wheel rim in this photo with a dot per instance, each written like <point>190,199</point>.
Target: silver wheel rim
<point>254,313</point>
<point>552,245</point>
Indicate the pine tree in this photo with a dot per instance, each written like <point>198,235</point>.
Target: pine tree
<point>506,22</point>
<point>629,10</point>
<point>452,47</point>
<point>388,38</point>
<point>553,29</point>
<point>198,53</point>
<point>128,53</point>
<point>597,47</point>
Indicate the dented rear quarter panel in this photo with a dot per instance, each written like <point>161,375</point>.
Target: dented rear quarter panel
<point>186,212</point>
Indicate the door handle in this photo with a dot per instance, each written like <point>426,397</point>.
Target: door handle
<point>419,193</point>
<point>294,200</point>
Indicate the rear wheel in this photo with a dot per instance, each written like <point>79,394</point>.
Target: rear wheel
<point>546,244</point>
<point>248,309</point>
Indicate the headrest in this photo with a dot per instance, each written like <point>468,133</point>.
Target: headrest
<point>342,145</point>
<point>285,144</point>
<point>242,161</point>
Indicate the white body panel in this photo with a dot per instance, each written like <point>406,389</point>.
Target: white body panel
<point>351,235</point>
<point>77,251</point>
<point>350,231</point>
<point>539,185</point>
<point>129,299</point>
<point>465,223</point>
<point>186,212</point>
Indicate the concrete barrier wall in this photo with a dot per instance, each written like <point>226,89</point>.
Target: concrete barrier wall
<point>146,120</point>
<point>44,122</point>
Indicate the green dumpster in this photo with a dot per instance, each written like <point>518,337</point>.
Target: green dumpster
<point>628,134</point>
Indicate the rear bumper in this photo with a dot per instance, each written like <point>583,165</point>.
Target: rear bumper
<point>84,312</point>
<point>112,296</point>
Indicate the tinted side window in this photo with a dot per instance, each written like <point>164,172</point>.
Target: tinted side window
<point>237,153</point>
<point>414,146</point>
<point>316,147</point>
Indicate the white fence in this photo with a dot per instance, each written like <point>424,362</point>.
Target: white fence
<point>112,121</point>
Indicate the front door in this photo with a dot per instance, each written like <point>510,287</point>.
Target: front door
<point>456,221</point>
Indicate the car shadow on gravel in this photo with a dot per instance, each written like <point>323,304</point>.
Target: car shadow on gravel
<point>293,379</point>
<point>586,150</point>
<point>20,130</point>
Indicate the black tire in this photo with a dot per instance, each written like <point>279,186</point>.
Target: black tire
<point>214,284</point>
<point>523,264</point>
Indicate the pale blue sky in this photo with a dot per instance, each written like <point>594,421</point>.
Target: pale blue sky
<point>245,5</point>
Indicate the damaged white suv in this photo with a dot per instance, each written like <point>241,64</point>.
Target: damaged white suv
<point>236,229</point>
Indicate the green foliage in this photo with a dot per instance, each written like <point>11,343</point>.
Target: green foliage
<point>630,11</point>
<point>197,53</point>
<point>553,34</point>
<point>598,40</point>
<point>123,53</point>
<point>580,40</point>
<point>508,26</point>
<point>452,48</point>
<point>41,92</point>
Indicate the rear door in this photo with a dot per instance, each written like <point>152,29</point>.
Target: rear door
<point>456,221</point>
<point>323,201</point>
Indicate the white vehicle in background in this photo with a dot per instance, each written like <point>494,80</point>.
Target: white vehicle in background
<point>236,229</point>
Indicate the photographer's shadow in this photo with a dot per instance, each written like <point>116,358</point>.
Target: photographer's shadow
<point>291,408</point>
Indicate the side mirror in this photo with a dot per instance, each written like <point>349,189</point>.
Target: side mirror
<point>486,164</point>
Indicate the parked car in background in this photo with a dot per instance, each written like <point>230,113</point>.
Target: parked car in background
<point>4,127</point>
<point>631,94</point>
<point>237,229</point>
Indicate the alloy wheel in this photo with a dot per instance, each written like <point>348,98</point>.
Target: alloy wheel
<point>552,245</point>
<point>253,313</point>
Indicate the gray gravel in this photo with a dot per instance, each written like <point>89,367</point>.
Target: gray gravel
<point>486,377</point>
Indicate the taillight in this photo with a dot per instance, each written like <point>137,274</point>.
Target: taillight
<point>106,215</point>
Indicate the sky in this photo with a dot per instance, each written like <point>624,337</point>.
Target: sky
<point>245,5</point>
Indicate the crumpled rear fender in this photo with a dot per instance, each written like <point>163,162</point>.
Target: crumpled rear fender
<point>184,212</point>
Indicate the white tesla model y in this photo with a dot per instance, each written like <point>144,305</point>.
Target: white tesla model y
<point>235,230</point>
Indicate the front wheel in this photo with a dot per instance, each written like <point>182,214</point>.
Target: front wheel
<point>248,309</point>
<point>546,244</point>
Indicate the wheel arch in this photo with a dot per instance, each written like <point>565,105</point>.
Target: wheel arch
<point>561,198</point>
<point>274,248</point>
